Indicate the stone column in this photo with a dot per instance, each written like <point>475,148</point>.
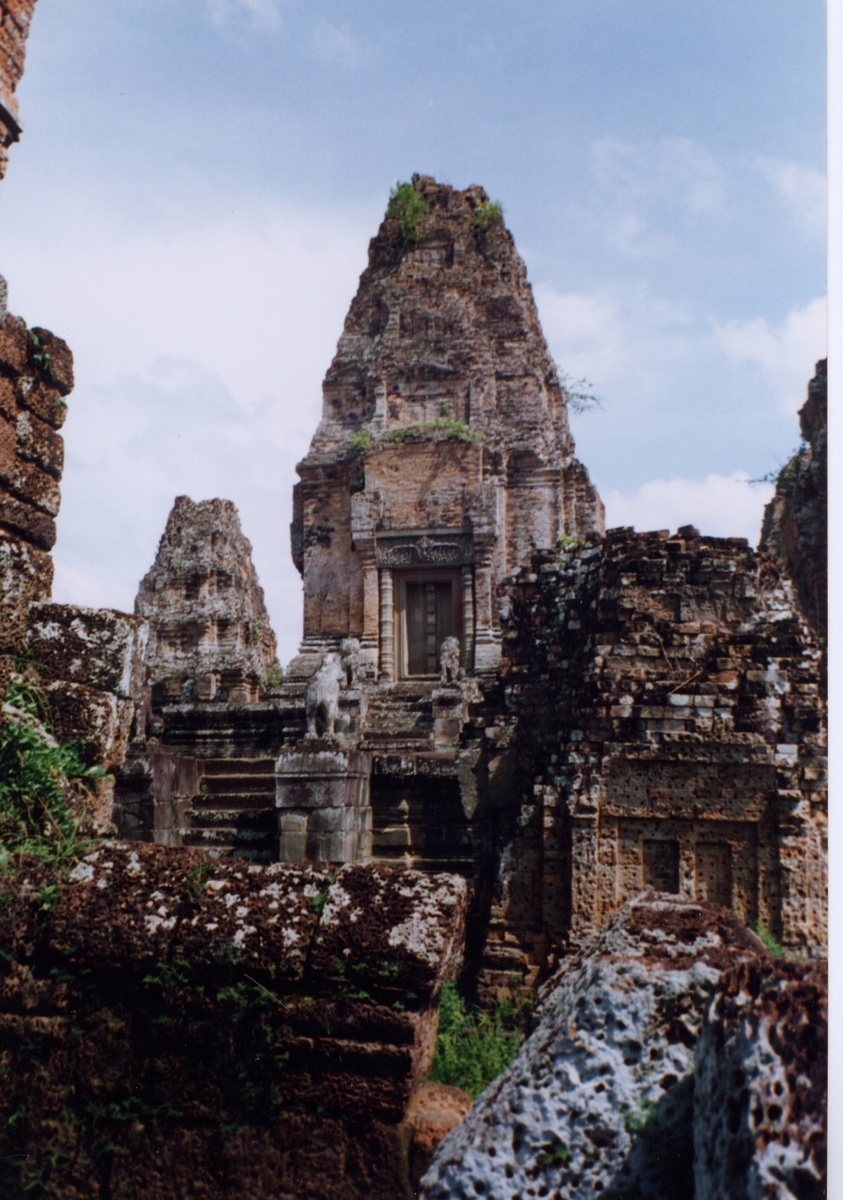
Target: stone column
<point>487,649</point>
<point>468,618</point>
<point>387,628</point>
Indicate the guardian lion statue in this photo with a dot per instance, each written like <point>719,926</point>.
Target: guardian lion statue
<point>350,660</point>
<point>449,657</point>
<point>322,695</point>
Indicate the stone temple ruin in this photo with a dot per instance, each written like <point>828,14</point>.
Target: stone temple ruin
<point>509,737</point>
<point>486,683</point>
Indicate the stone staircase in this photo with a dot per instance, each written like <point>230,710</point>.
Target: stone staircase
<point>399,718</point>
<point>233,814</point>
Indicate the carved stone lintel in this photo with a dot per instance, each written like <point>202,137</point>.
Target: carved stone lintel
<point>425,549</point>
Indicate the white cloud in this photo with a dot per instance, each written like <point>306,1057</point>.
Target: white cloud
<point>264,16</point>
<point>647,181</point>
<point>621,341</point>
<point>719,505</point>
<point>335,45</point>
<point>786,352</point>
<point>803,190</point>
<point>200,348</point>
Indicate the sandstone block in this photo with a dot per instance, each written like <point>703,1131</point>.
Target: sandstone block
<point>136,903</point>
<point>40,444</point>
<point>14,345</point>
<point>98,647</point>
<point>44,401</point>
<point>22,571</point>
<point>97,720</point>
<point>383,917</point>
<point>28,483</point>
<point>8,398</point>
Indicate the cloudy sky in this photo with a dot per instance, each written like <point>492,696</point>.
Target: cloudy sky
<point>191,203</point>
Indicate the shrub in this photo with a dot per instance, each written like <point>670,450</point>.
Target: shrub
<point>37,778</point>
<point>360,441</point>
<point>408,207</point>
<point>580,399</point>
<point>444,428</point>
<point>487,215</point>
<point>771,944</point>
<point>473,1046</point>
<point>274,675</point>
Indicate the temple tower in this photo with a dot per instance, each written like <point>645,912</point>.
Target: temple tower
<point>443,458</point>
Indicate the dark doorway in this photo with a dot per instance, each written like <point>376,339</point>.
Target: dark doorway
<point>429,610</point>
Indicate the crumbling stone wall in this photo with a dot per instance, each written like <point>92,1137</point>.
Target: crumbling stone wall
<point>170,1026</point>
<point>15,18</point>
<point>795,528</point>
<point>36,374</point>
<point>666,695</point>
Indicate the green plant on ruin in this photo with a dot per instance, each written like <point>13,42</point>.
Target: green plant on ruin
<point>40,357</point>
<point>474,1046</point>
<point>771,944</point>
<point>442,428</point>
<point>786,473</point>
<point>360,442</point>
<point>565,542</point>
<point>197,880</point>
<point>408,207</point>
<point>38,776</point>
<point>273,676</point>
<point>487,215</point>
<point>579,394</point>
<point>320,896</point>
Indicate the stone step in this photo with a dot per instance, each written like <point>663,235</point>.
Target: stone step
<point>232,818</point>
<point>234,801</point>
<point>252,785</point>
<point>399,738</point>
<point>239,766</point>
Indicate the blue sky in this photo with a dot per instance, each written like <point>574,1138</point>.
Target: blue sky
<point>191,203</point>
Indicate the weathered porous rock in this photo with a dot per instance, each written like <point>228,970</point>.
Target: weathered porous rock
<point>761,1078</point>
<point>599,1099</point>
<point>210,636</point>
<point>172,1025</point>
<point>795,527</point>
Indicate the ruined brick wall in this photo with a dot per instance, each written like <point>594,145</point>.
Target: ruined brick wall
<point>173,1026</point>
<point>667,694</point>
<point>36,374</point>
<point>795,528</point>
<point>15,18</point>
